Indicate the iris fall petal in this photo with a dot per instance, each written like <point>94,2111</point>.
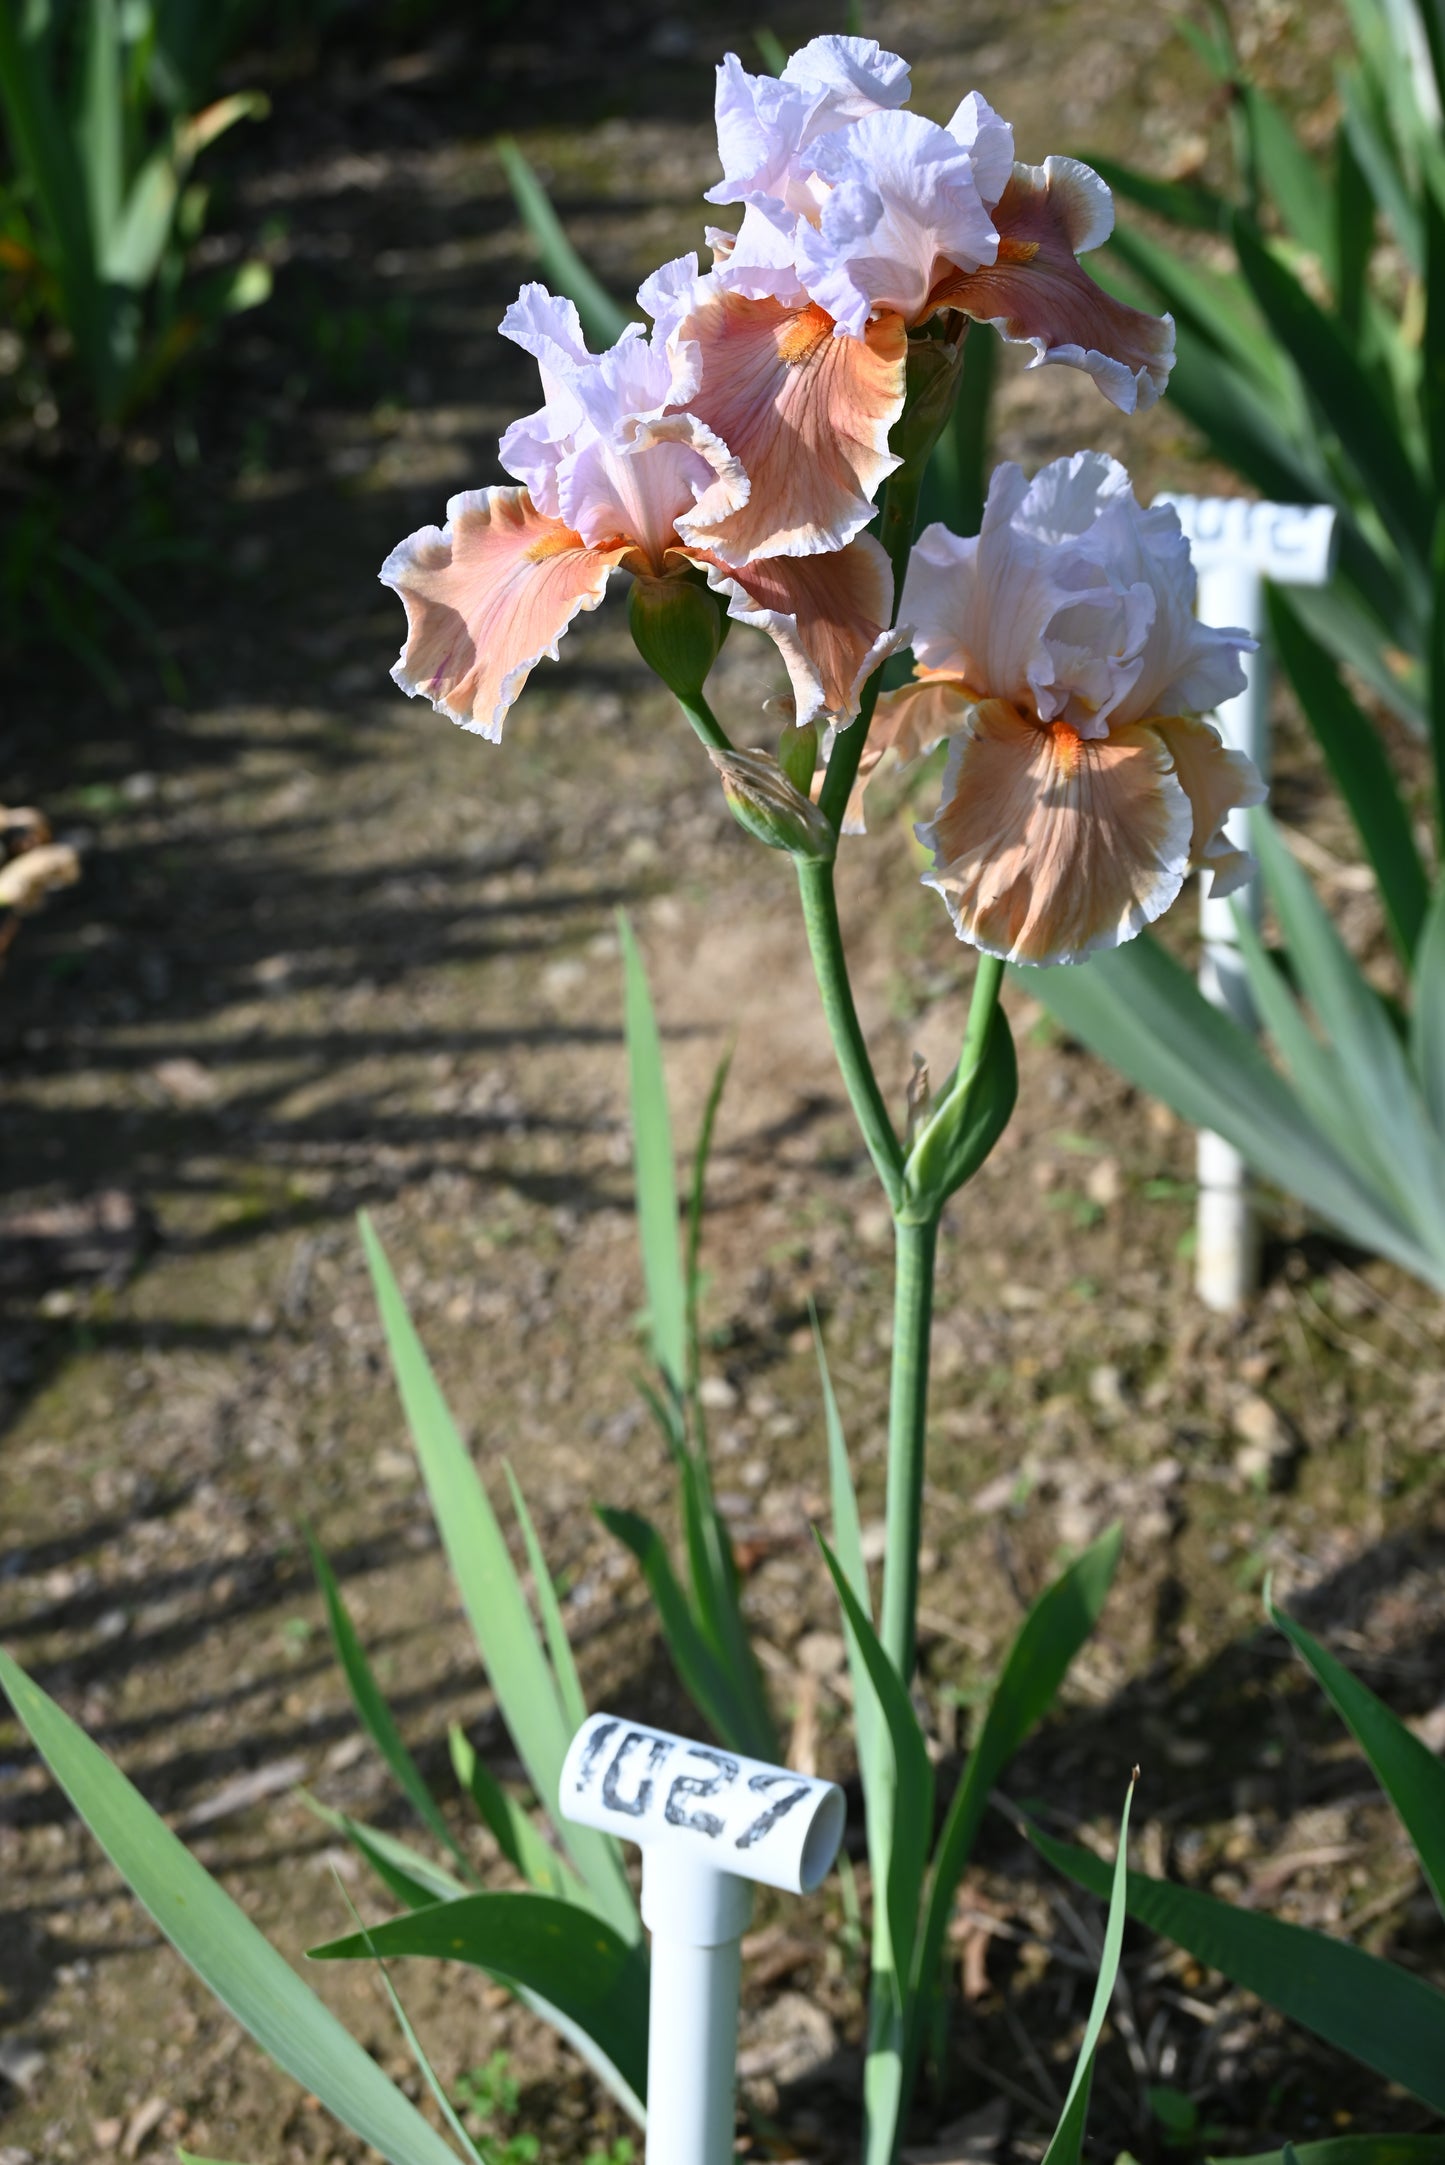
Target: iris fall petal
<point>806,413</point>
<point>486,597</point>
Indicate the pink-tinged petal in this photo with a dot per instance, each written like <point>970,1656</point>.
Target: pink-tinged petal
<point>808,414</point>
<point>905,204</point>
<point>637,483</point>
<point>1181,666</point>
<point>907,724</point>
<point>667,294</point>
<point>759,264</point>
<point>1037,295</point>
<point>980,607</point>
<point>546,326</point>
<point>1215,779</point>
<point>486,596</point>
<point>858,74</point>
<point>766,124</point>
<point>827,616</point>
<point>1047,847</point>
<point>989,140</point>
<point>762,125</point>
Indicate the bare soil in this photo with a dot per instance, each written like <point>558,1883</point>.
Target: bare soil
<point>329,952</point>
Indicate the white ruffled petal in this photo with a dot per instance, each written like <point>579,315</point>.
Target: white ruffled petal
<point>905,201</point>
<point>989,141</point>
<point>859,75</point>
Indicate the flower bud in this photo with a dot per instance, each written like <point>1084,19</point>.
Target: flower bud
<point>764,802</point>
<point>950,1139</point>
<point>678,625</point>
<point>798,756</point>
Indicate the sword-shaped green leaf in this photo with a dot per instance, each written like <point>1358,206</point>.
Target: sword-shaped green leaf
<point>246,1973</point>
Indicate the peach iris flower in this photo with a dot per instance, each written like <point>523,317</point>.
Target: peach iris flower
<point>1059,654</point>
<point>861,222</point>
<point>613,464</point>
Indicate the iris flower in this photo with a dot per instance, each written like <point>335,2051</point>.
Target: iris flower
<point>614,467</point>
<point>861,222</point>
<point>1059,654</point>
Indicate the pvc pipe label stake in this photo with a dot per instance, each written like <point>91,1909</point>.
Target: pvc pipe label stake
<point>1236,545</point>
<point>709,1824</point>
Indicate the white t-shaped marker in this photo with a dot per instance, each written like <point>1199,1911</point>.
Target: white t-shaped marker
<point>1236,545</point>
<point>709,1824</point>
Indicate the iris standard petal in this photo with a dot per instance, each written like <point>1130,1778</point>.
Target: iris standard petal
<point>1047,847</point>
<point>637,483</point>
<point>904,202</point>
<point>486,596</point>
<point>808,415</point>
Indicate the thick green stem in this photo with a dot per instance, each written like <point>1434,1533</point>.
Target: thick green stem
<point>914,1253</point>
<point>704,721</point>
<point>825,943</point>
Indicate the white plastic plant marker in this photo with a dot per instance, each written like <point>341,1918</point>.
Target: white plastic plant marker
<point>1236,546</point>
<point>709,1824</point>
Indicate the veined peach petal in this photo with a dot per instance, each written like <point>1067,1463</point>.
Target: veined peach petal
<point>808,415</point>
<point>1036,293</point>
<point>1215,778</point>
<point>1048,846</point>
<point>907,724</point>
<point>486,596</point>
<point>827,616</point>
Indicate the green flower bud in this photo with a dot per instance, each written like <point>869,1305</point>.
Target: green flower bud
<point>950,1138</point>
<point>764,802</point>
<point>798,756</point>
<point>678,625</point>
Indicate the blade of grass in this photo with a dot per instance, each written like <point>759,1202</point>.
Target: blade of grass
<point>491,1592</point>
<point>374,1714</point>
<point>559,1646</point>
<point>897,1787</point>
<point>696,1201</point>
<point>413,2042</point>
<point>1411,1776</point>
<point>1345,394</point>
<point>848,1548</point>
<point>1385,2017</point>
<point>603,319</point>
<point>1067,2145</point>
<point>1371,1060</point>
<point>1140,1009</point>
<point>403,1871</point>
<point>521,1843</point>
<point>569,1957</point>
<point>247,1975</point>
<point>703,1676</point>
<point>1361,768</point>
<point>1057,1626</point>
<point>1427,1021</point>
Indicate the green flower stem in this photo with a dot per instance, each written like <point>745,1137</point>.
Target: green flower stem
<point>825,943</point>
<point>705,722</point>
<point>915,1248</point>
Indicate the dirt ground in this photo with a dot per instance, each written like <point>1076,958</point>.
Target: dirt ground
<point>330,952</point>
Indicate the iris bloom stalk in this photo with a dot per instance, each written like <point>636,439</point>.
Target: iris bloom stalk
<point>732,456</point>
